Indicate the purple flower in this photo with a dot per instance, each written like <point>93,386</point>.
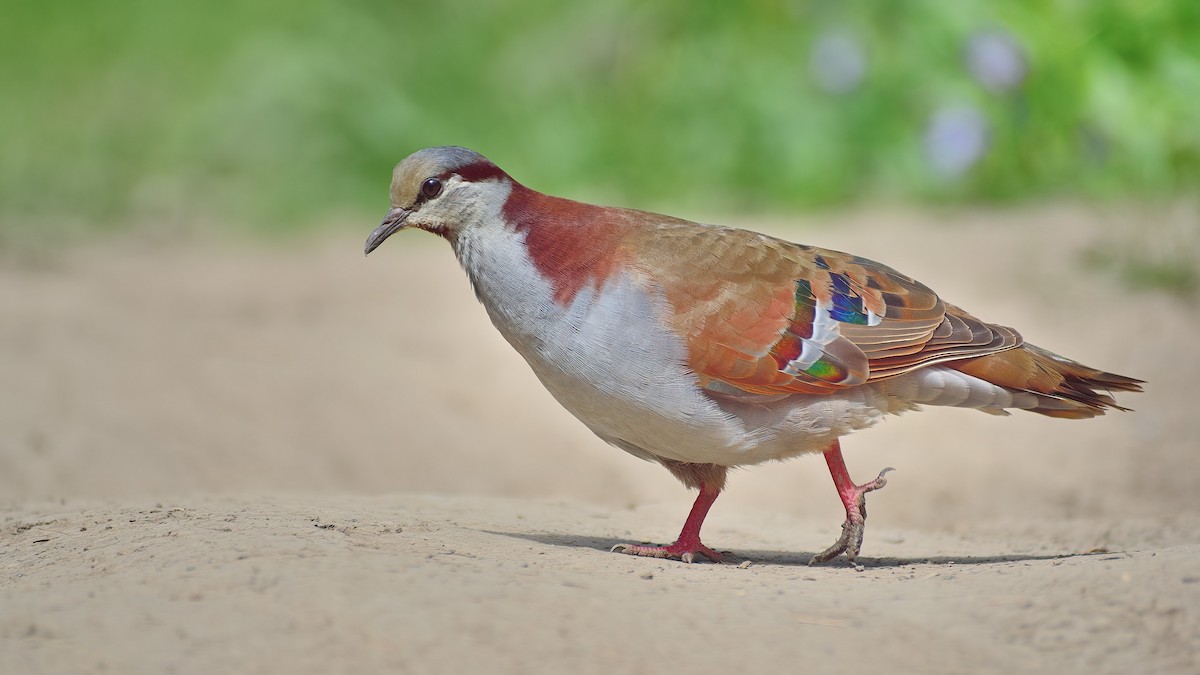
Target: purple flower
<point>955,139</point>
<point>996,61</point>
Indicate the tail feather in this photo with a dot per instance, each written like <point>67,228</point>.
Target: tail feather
<point>1063,388</point>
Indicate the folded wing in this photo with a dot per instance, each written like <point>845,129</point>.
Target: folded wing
<point>765,316</point>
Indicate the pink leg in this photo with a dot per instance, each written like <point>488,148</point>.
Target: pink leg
<point>688,544</point>
<point>854,497</point>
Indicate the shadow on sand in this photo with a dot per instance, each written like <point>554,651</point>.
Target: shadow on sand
<point>800,558</point>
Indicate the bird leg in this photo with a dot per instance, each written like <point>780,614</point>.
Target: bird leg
<point>854,497</point>
<point>688,544</point>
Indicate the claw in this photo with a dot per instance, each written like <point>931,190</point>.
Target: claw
<point>854,497</point>
<point>849,543</point>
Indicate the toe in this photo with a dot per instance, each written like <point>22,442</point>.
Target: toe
<point>675,551</point>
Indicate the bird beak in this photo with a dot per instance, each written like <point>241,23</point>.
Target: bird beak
<point>392,223</point>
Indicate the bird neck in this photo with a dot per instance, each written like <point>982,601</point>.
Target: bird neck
<point>570,243</point>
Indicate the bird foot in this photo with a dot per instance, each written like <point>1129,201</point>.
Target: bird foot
<point>851,540</point>
<point>680,550</point>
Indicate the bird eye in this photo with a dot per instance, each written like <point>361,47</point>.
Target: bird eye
<point>431,188</point>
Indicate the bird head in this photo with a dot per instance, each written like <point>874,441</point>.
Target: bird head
<point>441,190</point>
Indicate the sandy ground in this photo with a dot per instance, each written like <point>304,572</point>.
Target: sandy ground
<point>286,458</point>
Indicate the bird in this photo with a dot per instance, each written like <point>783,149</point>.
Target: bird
<point>703,348</point>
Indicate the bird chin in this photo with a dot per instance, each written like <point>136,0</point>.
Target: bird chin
<point>396,220</point>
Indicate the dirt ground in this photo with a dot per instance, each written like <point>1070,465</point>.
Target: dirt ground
<point>259,457</point>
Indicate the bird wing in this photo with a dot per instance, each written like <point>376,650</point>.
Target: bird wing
<point>764,316</point>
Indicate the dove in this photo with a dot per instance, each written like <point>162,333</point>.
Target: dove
<point>702,347</point>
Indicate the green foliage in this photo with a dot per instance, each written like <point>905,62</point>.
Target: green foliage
<point>279,113</point>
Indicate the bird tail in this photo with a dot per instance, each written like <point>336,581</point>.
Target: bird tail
<point>1061,387</point>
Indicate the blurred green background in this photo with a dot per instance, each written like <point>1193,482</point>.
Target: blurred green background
<point>276,115</point>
